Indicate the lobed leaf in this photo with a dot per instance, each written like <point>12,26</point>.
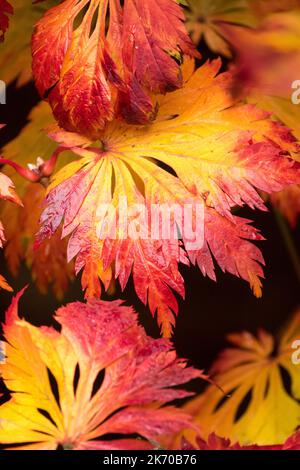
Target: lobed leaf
<point>91,73</point>
<point>58,399</point>
<point>262,389</point>
<point>205,148</point>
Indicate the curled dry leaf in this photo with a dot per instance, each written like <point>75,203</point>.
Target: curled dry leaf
<point>261,382</point>
<point>101,375</point>
<point>92,71</point>
<point>205,149</point>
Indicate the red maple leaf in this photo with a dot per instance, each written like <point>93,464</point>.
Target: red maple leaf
<point>139,375</point>
<point>91,72</point>
<point>5,10</point>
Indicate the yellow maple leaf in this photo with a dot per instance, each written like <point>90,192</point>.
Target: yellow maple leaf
<point>100,375</point>
<point>261,383</point>
<point>218,149</point>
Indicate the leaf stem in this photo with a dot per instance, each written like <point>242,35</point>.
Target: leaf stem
<point>24,172</point>
<point>35,173</point>
<point>289,242</point>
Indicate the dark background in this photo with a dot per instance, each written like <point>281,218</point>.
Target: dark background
<point>211,310</point>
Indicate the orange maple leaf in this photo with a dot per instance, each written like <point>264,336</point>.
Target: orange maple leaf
<point>100,375</point>
<point>91,72</point>
<point>219,151</point>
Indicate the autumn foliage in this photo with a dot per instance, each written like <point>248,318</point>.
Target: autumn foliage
<point>146,104</point>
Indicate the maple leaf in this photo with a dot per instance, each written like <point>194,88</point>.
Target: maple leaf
<point>5,10</point>
<point>218,149</point>
<point>97,340</point>
<point>15,56</point>
<point>91,72</point>
<point>258,406</point>
<point>206,19</point>
<point>47,264</point>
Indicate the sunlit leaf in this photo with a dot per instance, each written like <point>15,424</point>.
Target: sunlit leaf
<point>261,383</point>
<point>96,59</point>
<point>219,150</point>
<point>101,375</point>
